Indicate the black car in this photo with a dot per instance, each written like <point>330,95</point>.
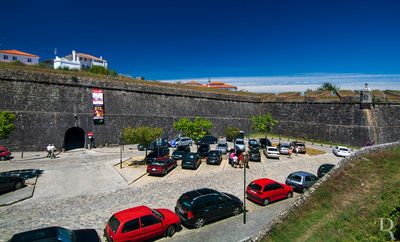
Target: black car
<point>208,139</point>
<point>254,154</point>
<point>57,234</point>
<point>180,151</point>
<point>323,169</point>
<point>197,207</point>
<point>158,152</point>
<point>191,161</point>
<point>203,150</point>
<point>214,157</point>
<point>264,142</point>
<point>9,183</point>
<point>253,144</point>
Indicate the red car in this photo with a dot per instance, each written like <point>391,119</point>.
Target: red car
<point>141,224</point>
<point>265,190</point>
<point>161,166</point>
<point>5,154</point>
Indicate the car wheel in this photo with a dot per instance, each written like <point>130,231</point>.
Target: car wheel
<point>236,211</point>
<point>199,222</point>
<point>18,185</point>
<point>304,190</point>
<point>290,194</point>
<point>266,202</point>
<point>171,231</point>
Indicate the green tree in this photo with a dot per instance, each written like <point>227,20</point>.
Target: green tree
<point>263,123</point>
<point>195,129</point>
<point>231,133</point>
<point>327,86</point>
<point>6,124</point>
<point>141,135</point>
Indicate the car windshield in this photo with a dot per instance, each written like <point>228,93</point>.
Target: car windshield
<point>255,187</point>
<point>284,146</point>
<point>253,142</point>
<point>239,142</point>
<point>158,214</point>
<point>213,154</point>
<point>189,156</point>
<point>344,149</point>
<point>222,145</point>
<point>300,145</point>
<point>295,178</point>
<point>114,223</point>
<point>158,163</point>
<point>272,149</point>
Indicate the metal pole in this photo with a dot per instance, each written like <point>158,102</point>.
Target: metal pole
<point>22,142</point>
<point>120,150</point>
<point>244,194</point>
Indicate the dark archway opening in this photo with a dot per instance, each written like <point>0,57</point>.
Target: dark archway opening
<point>74,138</point>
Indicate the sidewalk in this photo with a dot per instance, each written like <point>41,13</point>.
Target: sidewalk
<point>233,229</point>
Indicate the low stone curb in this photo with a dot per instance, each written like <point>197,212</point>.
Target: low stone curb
<point>267,229</point>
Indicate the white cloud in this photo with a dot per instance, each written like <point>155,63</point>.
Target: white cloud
<point>301,82</point>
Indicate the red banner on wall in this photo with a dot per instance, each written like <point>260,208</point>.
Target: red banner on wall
<point>98,106</point>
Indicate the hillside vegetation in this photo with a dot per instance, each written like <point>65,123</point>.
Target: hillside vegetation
<point>348,207</point>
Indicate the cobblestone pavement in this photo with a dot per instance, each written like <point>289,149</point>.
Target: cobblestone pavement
<point>92,206</point>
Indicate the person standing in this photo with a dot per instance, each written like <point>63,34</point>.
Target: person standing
<point>49,150</point>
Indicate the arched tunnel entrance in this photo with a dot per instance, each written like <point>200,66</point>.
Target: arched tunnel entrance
<point>74,138</point>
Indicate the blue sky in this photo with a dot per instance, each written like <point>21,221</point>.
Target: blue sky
<point>253,44</point>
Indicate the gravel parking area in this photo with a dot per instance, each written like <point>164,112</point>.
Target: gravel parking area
<point>82,189</point>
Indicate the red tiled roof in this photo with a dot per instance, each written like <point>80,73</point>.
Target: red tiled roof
<point>88,56</point>
<point>17,52</point>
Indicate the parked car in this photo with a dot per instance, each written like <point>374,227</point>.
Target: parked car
<point>183,141</point>
<point>239,145</point>
<point>254,154</point>
<point>222,146</point>
<point>5,154</point>
<point>323,169</point>
<point>23,173</point>
<point>197,207</point>
<point>141,224</point>
<point>57,234</point>
<point>283,148</point>
<point>180,151</point>
<point>10,183</point>
<point>158,152</point>
<point>253,144</point>
<point>271,152</point>
<point>301,146</point>
<point>341,151</point>
<point>161,166</point>
<point>208,139</point>
<point>203,150</point>
<point>191,161</point>
<point>264,191</point>
<point>301,180</point>
<point>264,142</point>
<point>214,157</point>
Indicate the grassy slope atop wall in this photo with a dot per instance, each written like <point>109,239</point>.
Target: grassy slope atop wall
<point>348,206</point>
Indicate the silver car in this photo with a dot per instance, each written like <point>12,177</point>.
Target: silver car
<point>271,152</point>
<point>284,149</point>
<point>301,180</point>
<point>222,146</point>
<point>183,141</point>
<point>239,145</point>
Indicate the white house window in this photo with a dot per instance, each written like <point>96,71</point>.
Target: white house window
<point>5,57</point>
<point>29,60</point>
<point>80,58</point>
<point>14,58</point>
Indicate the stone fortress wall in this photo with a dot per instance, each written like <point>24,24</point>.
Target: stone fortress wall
<point>48,104</point>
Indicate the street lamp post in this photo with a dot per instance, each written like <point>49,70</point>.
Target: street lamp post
<point>244,193</point>
<point>120,150</point>
<point>22,136</point>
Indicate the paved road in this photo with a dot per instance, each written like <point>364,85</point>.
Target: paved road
<point>82,190</point>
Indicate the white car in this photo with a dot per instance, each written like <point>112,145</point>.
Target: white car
<point>271,152</point>
<point>239,145</point>
<point>183,141</point>
<point>341,151</point>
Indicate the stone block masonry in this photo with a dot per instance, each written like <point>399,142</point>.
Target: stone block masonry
<point>48,104</point>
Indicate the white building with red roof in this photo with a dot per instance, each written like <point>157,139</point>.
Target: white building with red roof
<point>79,61</point>
<point>16,55</point>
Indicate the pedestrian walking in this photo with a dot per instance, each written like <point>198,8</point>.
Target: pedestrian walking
<point>49,150</point>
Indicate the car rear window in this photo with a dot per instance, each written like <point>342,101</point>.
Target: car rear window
<point>300,145</point>
<point>185,201</point>
<point>213,154</point>
<point>343,149</point>
<point>253,142</point>
<point>114,223</point>
<point>272,149</point>
<point>295,178</point>
<point>158,163</point>
<point>222,145</point>
<point>255,187</point>
<point>239,142</point>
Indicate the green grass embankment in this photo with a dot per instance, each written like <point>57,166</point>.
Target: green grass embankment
<point>348,207</point>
